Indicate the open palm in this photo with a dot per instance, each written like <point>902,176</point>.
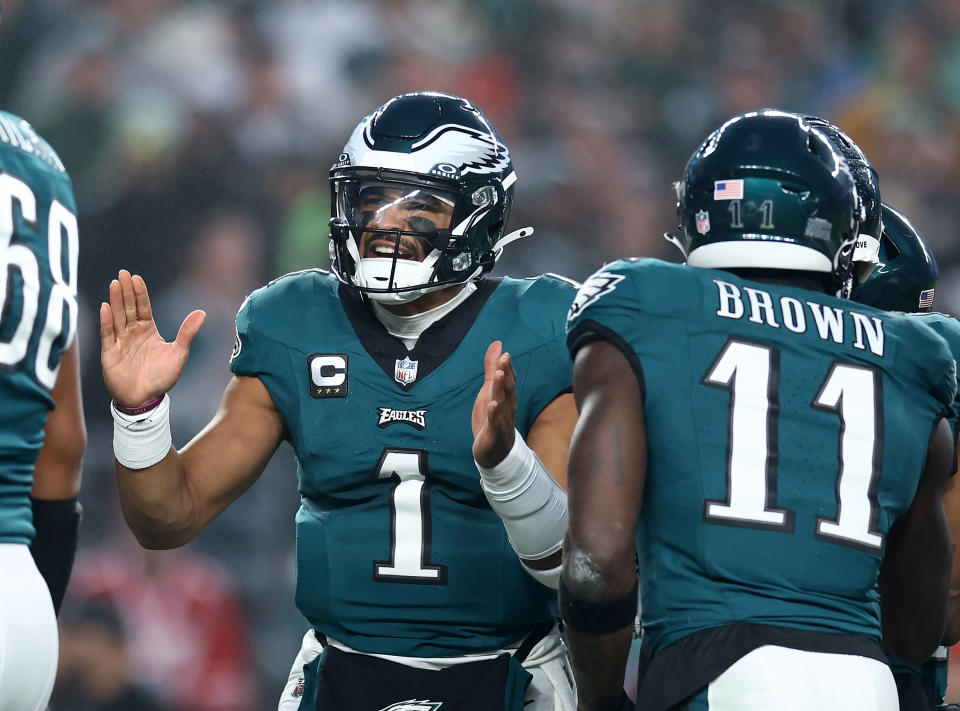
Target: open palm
<point>495,408</point>
<point>138,365</point>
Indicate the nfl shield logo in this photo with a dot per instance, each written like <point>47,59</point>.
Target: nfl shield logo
<point>703,222</point>
<point>405,371</point>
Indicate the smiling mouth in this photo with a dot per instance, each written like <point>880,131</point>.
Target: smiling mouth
<point>385,248</point>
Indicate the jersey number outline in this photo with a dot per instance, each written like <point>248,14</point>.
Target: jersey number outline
<point>750,372</point>
<point>410,524</point>
<point>63,294</point>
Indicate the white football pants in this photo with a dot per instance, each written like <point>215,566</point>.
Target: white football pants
<point>781,679</point>
<point>29,645</point>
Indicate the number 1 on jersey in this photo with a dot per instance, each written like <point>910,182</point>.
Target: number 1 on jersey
<point>751,374</point>
<point>852,392</point>
<point>410,534</point>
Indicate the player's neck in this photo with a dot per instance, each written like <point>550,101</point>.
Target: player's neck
<point>409,328</point>
<point>811,281</point>
<point>427,302</point>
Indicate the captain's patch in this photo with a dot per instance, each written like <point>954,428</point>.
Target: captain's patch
<point>328,375</point>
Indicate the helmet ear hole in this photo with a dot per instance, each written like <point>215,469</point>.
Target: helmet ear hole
<point>890,246</point>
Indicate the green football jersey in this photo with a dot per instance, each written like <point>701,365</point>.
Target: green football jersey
<point>786,431</point>
<point>398,551</point>
<point>38,307</point>
<point>947,328</point>
<point>933,672</point>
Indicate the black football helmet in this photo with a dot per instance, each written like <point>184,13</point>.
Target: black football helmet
<point>868,186</point>
<point>420,198</point>
<point>767,190</point>
<point>906,274</point>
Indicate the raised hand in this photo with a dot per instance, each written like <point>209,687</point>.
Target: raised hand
<point>138,365</point>
<point>495,408</point>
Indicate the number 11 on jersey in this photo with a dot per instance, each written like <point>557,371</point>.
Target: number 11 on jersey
<point>750,372</point>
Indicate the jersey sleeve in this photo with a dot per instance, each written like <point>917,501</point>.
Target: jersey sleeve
<point>948,329</point>
<point>258,353</point>
<point>605,309</point>
<point>929,356</point>
<point>243,359</point>
<point>549,372</point>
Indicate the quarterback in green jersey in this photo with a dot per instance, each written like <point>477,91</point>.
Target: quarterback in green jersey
<point>766,457</point>
<point>430,409</point>
<point>42,433</point>
<point>904,279</point>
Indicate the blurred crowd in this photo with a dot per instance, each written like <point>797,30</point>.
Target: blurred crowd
<point>199,134</point>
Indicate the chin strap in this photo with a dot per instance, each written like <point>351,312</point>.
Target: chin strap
<point>497,248</point>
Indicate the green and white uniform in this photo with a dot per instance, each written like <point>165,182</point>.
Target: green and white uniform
<point>38,318</point>
<point>398,551</point>
<point>786,431</point>
<point>932,674</point>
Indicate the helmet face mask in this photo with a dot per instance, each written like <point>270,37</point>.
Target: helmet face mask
<point>768,191</point>
<point>421,196</point>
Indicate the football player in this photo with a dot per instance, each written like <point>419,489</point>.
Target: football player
<point>396,378</point>
<point>707,392</point>
<point>42,432</point>
<point>904,280</point>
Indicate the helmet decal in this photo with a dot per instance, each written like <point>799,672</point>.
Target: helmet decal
<point>449,151</point>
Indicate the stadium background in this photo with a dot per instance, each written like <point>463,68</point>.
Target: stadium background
<point>199,134</point>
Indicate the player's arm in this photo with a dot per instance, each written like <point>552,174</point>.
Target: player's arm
<point>915,572</point>
<point>524,481</point>
<point>169,496</point>
<point>951,504</point>
<point>598,586</point>
<point>56,480</point>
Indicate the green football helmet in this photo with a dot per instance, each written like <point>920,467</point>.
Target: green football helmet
<point>421,195</point>
<point>767,190</point>
<point>868,186</point>
<point>907,272</point>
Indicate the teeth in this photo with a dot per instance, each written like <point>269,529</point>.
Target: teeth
<point>389,251</point>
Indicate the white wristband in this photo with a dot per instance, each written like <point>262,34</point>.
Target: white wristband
<point>140,441</point>
<point>532,506</point>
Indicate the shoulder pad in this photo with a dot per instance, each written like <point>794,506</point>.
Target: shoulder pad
<point>542,302</point>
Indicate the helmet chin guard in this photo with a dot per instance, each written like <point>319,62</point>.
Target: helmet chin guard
<point>374,276</point>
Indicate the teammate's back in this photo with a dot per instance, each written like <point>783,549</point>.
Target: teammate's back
<point>42,435</point>
<point>780,453</point>
<point>795,416</point>
<point>39,246</point>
